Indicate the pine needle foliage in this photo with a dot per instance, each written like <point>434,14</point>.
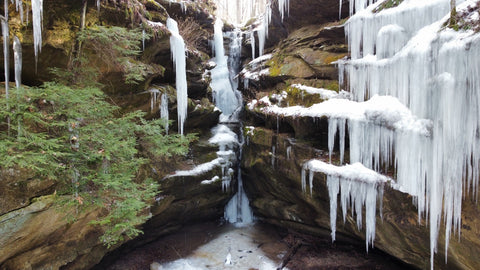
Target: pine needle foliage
<point>73,136</point>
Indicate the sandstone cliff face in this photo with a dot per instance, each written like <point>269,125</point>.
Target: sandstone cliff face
<point>272,168</point>
<point>278,146</point>
<point>36,234</point>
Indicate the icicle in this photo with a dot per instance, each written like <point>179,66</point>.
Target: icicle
<point>17,56</point>
<point>310,181</point>
<point>356,5</point>
<point>6,55</point>
<point>358,185</point>
<point>252,42</point>
<point>177,46</point>
<point>154,93</point>
<point>164,110</point>
<point>303,178</point>
<point>332,131</point>
<point>262,31</point>
<point>273,156</point>
<point>19,8</point>
<point>283,5</point>
<point>28,12</point>
<point>37,17</point>
<point>436,66</point>
<point>341,128</point>
<point>333,184</point>
<point>340,9</point>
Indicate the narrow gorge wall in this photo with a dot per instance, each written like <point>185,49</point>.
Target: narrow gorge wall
<point>283,135</point>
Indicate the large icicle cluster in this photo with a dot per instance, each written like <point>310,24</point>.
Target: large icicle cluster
<point>177,46</point>
<point>363,28</point>
<point>37,14</point>
<point>240,11</point>
<point>355,6</point>
<point>415,105</point>
<point>283,6</point>
<point>406,52</point>
<point>358,187</point>
<point>262,29</point>
<point>37,18</point>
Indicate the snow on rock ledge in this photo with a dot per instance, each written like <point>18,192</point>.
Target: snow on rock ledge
<point>381,110</point>
<point>323,93</point>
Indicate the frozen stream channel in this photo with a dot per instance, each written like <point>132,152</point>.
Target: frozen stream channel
<point>207,245</point>
<point>232,248</point>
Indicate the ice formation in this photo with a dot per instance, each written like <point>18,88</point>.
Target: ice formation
<point>238,209</point>
<point>406,52</point>
<point>262,29</point>
<point>323,93</point>
<point>225,96</point>
<point>164,110</point>
<point>228,143</point>
<point>403,63</point>
<point>19,8</point>
<point>182,3</point>
<point>210,181</point>
<point>383,111</point>
<point>358,187</point>
<point>283,5</point>
<point>37,18</point>
<point>200,169</point>
<point>240,11</point>
<point>255,69</point>
<point>355,6</point>
<point>252,42</point>
<point>154,94</point>
<point>6,57</point>
<point>17,56</point>
<point>177,46</point>
<point>411,15</point>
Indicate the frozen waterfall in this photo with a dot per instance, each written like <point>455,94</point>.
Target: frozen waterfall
<point>229,100</point>
<point>226,98</point>
<point>238,209</point>
<point>177,46</point>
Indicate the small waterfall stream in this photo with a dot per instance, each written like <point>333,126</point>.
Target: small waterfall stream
<point>229,100</point>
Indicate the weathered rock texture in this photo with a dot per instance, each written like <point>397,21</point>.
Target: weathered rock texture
<point>35,231</point>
